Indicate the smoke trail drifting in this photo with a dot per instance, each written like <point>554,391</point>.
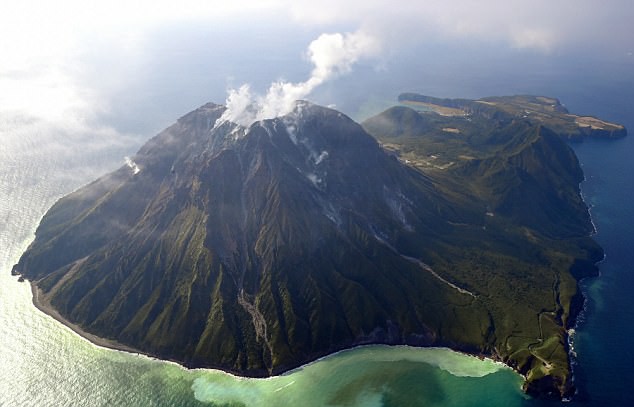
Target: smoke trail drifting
<point>331,55</point>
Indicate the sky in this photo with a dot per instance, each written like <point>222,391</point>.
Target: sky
<point>132,67</point>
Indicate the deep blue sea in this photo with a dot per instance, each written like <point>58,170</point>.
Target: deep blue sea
<point>42,363</point>
<point>604,340</point>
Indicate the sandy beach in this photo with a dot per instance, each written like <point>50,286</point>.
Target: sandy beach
<point>42,303</point>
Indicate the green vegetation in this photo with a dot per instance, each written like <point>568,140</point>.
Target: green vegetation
<point>528,227</point>
<point>259,252</point>
<point>537,110</point>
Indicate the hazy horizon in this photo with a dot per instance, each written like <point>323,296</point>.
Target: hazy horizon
<point>131,69</point>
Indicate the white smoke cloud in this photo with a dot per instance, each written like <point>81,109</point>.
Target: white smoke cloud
<point>331,54</point>
<point>132,165</point>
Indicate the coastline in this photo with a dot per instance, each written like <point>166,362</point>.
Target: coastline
<point>42,304</point>
<point>579,316</point>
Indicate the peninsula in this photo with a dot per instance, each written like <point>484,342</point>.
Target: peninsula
<point>540,110</point>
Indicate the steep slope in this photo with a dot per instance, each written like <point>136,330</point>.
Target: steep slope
<point>517,170</point>
<point>253,249</point>
<point>258,249</point>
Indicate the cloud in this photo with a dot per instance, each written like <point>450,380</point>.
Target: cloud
<point>331,55</point>
<point>32,26</point>
<point>534,38</point>
<point>543,25</point>
<point>70,62</point>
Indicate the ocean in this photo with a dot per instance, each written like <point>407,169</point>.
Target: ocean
<point>43,363</point>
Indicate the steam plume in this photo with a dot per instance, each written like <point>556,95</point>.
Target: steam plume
<point>132,165</point>
<point>331,55</point>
